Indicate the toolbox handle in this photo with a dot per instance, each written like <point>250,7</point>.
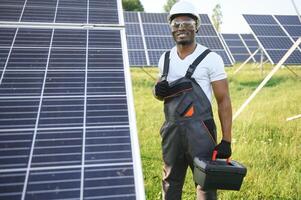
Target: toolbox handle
<point>214,156</point>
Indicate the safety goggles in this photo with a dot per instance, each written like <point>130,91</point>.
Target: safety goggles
<point>183,24</point>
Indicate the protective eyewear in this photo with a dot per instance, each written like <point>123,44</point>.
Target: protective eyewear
<point>184,24</point>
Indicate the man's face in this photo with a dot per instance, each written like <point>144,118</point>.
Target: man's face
<point>183,30</point>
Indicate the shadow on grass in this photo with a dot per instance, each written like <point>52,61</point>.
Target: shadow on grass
<point>275,81</point>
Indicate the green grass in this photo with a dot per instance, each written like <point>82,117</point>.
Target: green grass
<point>263,140</point>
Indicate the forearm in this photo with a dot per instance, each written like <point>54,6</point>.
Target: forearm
<point>225,117</point>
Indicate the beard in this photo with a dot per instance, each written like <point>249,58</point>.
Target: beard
<point>187,40</point>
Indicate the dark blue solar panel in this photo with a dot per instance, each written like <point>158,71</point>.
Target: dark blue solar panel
<point>159,42</point>
<point>56,85</point>
<point>132,29</point>
<point>240,57</point>
<point>18,113</point>
<point>131,17</point>
<point>61,112</point>
<point>109,183</point>
<point>157,29</point>
<point>154,17</point>
<point>12,2</point>
<point>107,111</point>
<point>276,55</point>
<point>69,38</point>
<point>106,83</point>
<point>27,37</point>
<point>104,39</point>
<point>27,59</point>
<point>211,42</point>
<point>294,31</point>
<point>205,19</point>
<point>45,3</point>
<point>71,15</point>
<point>73,3</point>
<point>154,56</point>
<point>67,59</point>
<point>54,184</point>
<point>247,37</point>
<point>7,36</point>
<point>105,59</point>
<point>206,30</point>
<point>260,19</point>
<point>41,14</point>
<point>64,83</point>
<point>3,56</point>
<point>97,150</point>
<point>15,151</point>
<point>276,43</point>
<point>288,20</point>
<point>102,16</point>
<point>239,50</point>
<point>10,13</point>
<point>11,185</point>
<point>134,43</point>
<point>57,148</point>
<point>273,39</point>
<point>231,37</point>
<point>260,30</point>
<point>22,83</point>
<point>137,58</point>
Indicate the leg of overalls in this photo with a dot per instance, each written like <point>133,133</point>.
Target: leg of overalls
<point>200,144</point>
<point>175,163</point>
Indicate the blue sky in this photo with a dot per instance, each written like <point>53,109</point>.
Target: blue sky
<point>232,10</point>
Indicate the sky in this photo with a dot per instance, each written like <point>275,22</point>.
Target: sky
<point>232,10</point>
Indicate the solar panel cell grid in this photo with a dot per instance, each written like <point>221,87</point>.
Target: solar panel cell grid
<point>11,185</point>
<point>10,13</point>
<point>157,29</point>
<point>131,17</point>
<point>132,29</point>
<point>288,20</point>
<point>12,2</point>
<point>159,42</point>
<point>42,14</point>
<point>268,30</point>
<point>24,112</point>
<point>27,59</point>
<point>154,17</point>
<point>7,36</point>
<point>137,58</point>
<point>135,42</point>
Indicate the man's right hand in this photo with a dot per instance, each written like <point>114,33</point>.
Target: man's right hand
<point>162,89</point>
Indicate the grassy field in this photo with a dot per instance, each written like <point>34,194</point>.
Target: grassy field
<point>263,140</point>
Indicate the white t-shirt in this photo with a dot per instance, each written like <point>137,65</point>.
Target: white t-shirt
<point>210,69</point>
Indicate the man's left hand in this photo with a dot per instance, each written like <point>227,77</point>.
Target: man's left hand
<point>223,149</point>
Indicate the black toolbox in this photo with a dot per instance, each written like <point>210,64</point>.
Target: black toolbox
<point>219,174</point>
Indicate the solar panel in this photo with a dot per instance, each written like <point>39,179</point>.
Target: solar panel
<point>291,24</point>
<point>273,37</point>
<point>158,36</point>
<point>66,11</point>
<point>242,46</point>
<point>137,53</point>
<point>67,128</point>
<point>253,45</point>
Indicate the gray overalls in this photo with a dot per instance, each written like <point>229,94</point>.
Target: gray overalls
<point>188,131</point>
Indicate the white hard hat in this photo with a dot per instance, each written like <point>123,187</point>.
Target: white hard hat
<point>184,7</point>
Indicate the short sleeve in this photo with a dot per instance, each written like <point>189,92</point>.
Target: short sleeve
<point>161,65</point>
<point>216,68</point>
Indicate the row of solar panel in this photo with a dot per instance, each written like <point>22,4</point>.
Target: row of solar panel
<point>148,36</point>
<point>59,11</point>
<point>276,34</point>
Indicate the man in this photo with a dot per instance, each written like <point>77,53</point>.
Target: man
<point>188,75</point>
